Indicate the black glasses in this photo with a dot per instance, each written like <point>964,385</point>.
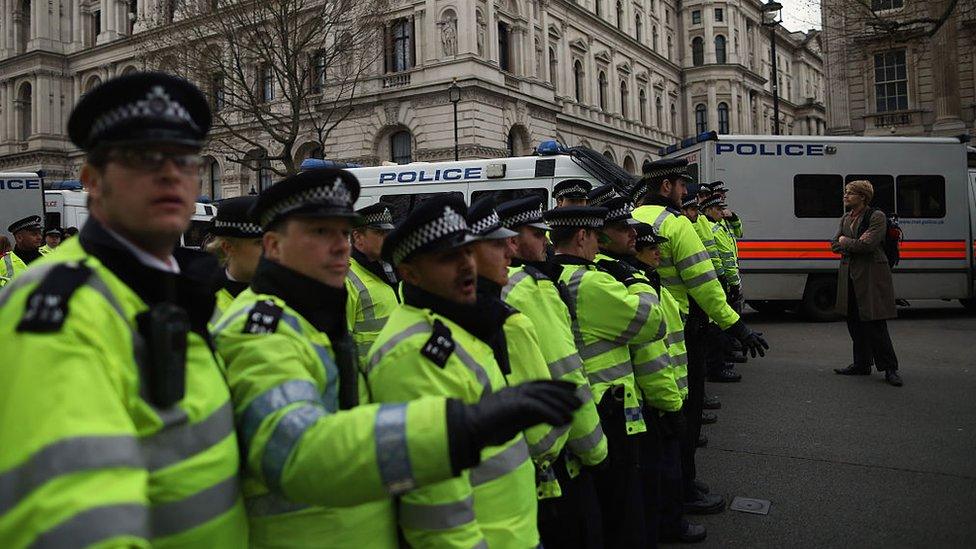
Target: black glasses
<point>150,160</point>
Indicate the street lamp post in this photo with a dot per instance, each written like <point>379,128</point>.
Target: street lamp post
<point>454,94</point>
<point>771,18</point>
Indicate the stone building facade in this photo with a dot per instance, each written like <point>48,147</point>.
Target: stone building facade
<point>618,76</point>
<point>902,82</point>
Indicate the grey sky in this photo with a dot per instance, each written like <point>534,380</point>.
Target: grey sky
<point>801,15</point>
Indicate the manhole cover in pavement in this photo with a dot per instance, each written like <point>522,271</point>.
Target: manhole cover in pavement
<point>750,505</point>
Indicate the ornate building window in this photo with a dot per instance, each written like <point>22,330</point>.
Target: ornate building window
<point>696,17</point>
<point>264,175</point>
<point>213,179</point>
<point>642,105</point>
<point>217,91</point>
<point>602,81</point>
<point>620,15</point>
<point>698,51</point>
<point>266,89</point>
<point>674,119</point>
<point>723,118</point>
<point>578,84</point>
<point>624,97</point>
<point>670,48</point>
<point>399,50</point>
<point>638,27</point>
<point>659,112</point>
<point>701,118</point>
<point>720,56</point>
<point>553,69</point>
<point>25,102</point>
<point>877,5</point>
<point>504,47</point>
<point>318,71</point>
<point>654,38</point>
<point>400,147</point>
<point>890,81</point>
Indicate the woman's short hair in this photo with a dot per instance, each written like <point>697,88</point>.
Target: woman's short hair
<point>861,187</point>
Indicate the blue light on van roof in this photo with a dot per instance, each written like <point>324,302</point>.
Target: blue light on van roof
<point>549,148</point>
<point>707,136</point>
<point>688,141</point>
<point>318,163</point>
<point>66,185</point>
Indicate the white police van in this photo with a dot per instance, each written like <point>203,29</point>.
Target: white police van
<point>21,195</point>
<point>406,185</point>
<point>788,191</point>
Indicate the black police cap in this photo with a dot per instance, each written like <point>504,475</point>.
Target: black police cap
<point>436,224</point>
<point>29,223</point>
<point>571,188</point>
<point>378,216</point>
<point>54,231</point>
<point>322,192</point>
<point>141,108</point>
<point>689,201</point>
<point>234,218</point>
<point>712,202</point>
<point>522,212</point>
<point>619,210</point>
<point>599,195</point>
<point>647,235</point>
<point>484,222</point>
<point>667,168</point>
<point>589,217</point>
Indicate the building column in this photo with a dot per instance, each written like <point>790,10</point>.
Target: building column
<point>613,83</point>
<point>530,45</point>
<point>491,48</point>
<point>569,77</point>
<point>712,106</point>
<point>689,111</point>
<point>467,28</point>
<point>109,21</point>
<point>4,109</point>
<point>734,108</point>
<point>546,58</point>
<point>945,78</point>
<point>707,13</point>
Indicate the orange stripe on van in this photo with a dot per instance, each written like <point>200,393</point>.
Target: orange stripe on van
<point>820,249</point>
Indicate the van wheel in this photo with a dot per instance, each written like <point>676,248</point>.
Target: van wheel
<point>969,304</point>
<point>819,298</point>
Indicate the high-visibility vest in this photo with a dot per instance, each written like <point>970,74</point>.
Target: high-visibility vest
<point>315,476</point>
<point>535,295</point>
<point>87,459</point>
<point>490,505</point>
<point>725,245</point>
<point>370,303</point>
<point>10,266</point>
<point>686,267</point>
<point>703,226</point>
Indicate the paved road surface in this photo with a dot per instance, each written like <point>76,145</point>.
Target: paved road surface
<point>849,461</point>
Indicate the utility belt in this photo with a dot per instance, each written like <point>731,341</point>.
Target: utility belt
<point>617,403</point>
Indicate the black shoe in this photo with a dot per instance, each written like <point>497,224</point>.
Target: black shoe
<point>708,419</point>
<point>705,504</point>
<point>700,486</point>
<point>892,378</point>
<point>727,375</point>
<point>712,403</point>
<point>692,533</point>
<point>854,370</point>
<point>702,441</point>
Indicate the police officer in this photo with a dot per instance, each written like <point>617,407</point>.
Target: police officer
<point>516,346</point>
<point>689,207</point>
<point>27,242</point>
<point>687,272</point>
<point>237,243</point>
<point>52,238</point>
<point>371,281</point>
<point>571,192</point>
<point>118,429</point>
<point>598,196</point>
<point>608,320</point>
<point>573,519</point>
<point>438,342</point>
<point>719,370</point>
<point>309,447</point>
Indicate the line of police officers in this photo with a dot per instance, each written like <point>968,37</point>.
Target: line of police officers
<point>341,381</point>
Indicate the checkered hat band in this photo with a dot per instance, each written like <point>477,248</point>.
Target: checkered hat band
<point>522,218</point>
<point>335,195</point>
<point>31,224</point>
<point>578,189</point>
<point>639,190</point>
<point>620,213</point>
<point>666,172</point>
<point>646,239</point>
<point>156,104</point>
<point>242,226</point>
<point>595,222</point>
<point>449,223</point>
<point>486,225</point>
<point>376,218</point>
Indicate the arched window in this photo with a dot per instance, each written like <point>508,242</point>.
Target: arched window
<point>629,165</point>
<point>701,118</point>
<point>659,112</point>
<point>654,37</point>
<point>504,47</point>
<point>603,90</point>
<point>624,97</point>
<point>638,27</point>
<point>698,51</point>
<point>265,174</point>
<point>213,185</point>
<point>720,56</point>
<point>642,100</point>
<point>674,119</point>
<point>92,83</point>
<point>553,69</point>
<point>670,48</point>
<point>400,147</point>
<point>598,7</point>
<point>646,166</point>
<point>578,80</point>
<point>723,118</point>
<point>23,29</point>
<point>608,155</point>
<point>25,102</point>
<point>620,15</point>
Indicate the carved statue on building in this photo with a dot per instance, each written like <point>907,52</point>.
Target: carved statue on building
<point>448,25</point>
<point>482,32</point>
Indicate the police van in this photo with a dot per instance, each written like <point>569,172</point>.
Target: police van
<point>406,185</point>
<point>21,195</point>
<point>69,208</point>
<point>788,191</point>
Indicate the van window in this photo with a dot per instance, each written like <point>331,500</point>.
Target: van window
<point>52,219</point>
<point>921,196</point>
<point>403,204</point>
<point>818,195</point>
<point>884,190</point>
<point>693,174</point>
<point>511,194</point>
<point>193,237</point>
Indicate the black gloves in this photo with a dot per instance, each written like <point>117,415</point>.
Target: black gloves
<point>674,423</point>
<point>619,270</point>
<point>734,292</point>
<point>752,342</point>
<point>498,417</point>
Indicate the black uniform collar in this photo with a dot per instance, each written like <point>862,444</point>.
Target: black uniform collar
<point>378,268</point>
<point>234,287</point>
<point>27,256</point>
<point>651,274</point>
<point>190,290</point>
<point>661,200</point>
<point>320,304</point>
<point>567,259</point>
<point>482,320</point>
<point>618,257</point>
<point>544,267</point>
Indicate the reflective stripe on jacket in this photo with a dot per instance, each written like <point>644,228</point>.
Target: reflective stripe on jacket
<point>539,299</point>
<point>653,369</point>
<point>86,459</point>
<point>316,476</point>
<point>703,227</point>
<point>725,244</point>
<point>370,303</point>
<point>493,504</point>
<point>686,268</point>
<point>10,266</point>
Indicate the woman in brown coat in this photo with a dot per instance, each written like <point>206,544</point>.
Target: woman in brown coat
<point>865,292</point>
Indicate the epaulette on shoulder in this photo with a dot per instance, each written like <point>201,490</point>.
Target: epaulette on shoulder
<point>674,212</point>
<point>47,305</point>
<point>440,345</point>
<point>263,318</point>
<point>535,273</point>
